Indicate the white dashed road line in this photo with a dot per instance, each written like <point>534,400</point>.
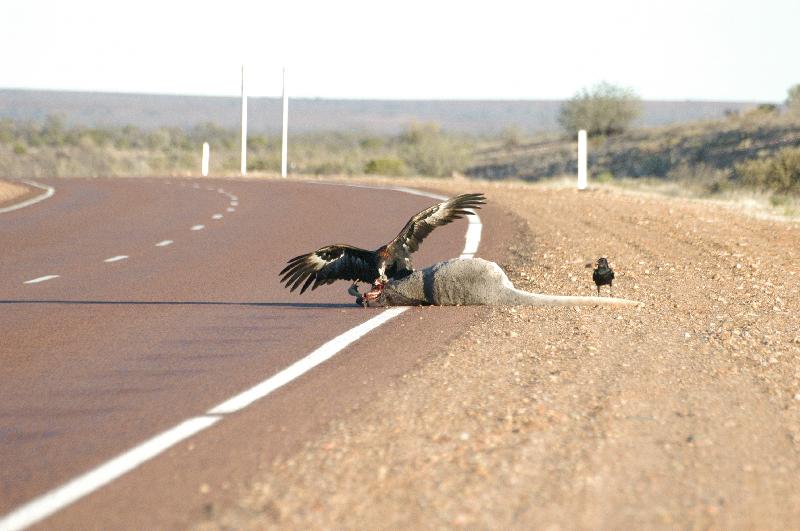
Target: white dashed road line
<point>116,258</point>
<point>198,227</point>
<point>216,216</point>
<point>231,209</point>
<point>41,279</point>
<point>53,501</point>
<point>164,243</point>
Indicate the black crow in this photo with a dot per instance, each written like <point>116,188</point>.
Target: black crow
<point>603,275</point>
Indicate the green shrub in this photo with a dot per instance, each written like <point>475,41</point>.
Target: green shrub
<point>385,167</point>
<point>779,200</point>
<point>605,109</point>
<point>604,177</point>
<point>512,136</point>
<point>419,133</point>
<point>793,99</point>
<point>329,168</point>
<point>703,177</point>
<point>779,173</point>
<point>426,150</point>
<point>371,143</point>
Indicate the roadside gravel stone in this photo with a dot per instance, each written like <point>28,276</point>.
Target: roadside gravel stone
<point>681,413</point>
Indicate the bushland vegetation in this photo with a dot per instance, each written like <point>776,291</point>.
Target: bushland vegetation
<point>49,148</point>
<point>757,150</point>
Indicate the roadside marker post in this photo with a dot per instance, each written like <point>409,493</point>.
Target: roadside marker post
<point>244,127</point>
<point>204,163</point>
<point>284,142</point>
<point>582,160</point>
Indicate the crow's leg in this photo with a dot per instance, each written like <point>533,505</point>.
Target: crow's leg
<point>611,289</point>
<point>598,290</point>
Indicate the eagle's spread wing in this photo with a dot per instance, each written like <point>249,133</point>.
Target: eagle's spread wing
<point>423,223</point>
<point>324,266</point>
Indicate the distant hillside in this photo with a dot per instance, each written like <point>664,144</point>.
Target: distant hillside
<point>701,152</point>
<point>151,111</point>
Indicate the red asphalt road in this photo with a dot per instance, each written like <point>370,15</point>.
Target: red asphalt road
<point>109,354</point>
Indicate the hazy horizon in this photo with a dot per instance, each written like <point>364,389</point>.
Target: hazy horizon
<point>356,99</point>
<point>380,116</point>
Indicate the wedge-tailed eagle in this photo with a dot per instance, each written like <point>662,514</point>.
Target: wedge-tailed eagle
<point>388,262</point>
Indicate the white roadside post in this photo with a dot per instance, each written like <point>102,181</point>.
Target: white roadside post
<point>582,160</point>
<point>204,163</point>
<point>244,127</point>
<point>284,143</point>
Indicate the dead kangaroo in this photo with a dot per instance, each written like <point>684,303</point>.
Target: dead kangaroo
<point>471,282</point>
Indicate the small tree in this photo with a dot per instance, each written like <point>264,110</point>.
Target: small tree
<point>604,109</point>
<point>793,99</point>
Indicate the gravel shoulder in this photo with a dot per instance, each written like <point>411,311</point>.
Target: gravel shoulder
<point>14,192</point>
<point>684,412</point>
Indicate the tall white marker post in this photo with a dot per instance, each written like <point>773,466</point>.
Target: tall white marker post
<point>285,142</point>
<point>582,160</point>
<point>244,127</point>
<point>204,162</point>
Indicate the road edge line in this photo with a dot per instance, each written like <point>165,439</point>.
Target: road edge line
<point>48,192</point>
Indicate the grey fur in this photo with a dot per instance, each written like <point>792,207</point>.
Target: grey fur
<point>471,282</point>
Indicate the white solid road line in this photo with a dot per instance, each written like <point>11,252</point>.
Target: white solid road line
<point>323,353</point>
<point>198,227</point>
<point>164,243</point>
<point>56,499</point>
<point>472,237</point>
<point>116,258</point>
<point>48,192</point>
<point>41,279</point>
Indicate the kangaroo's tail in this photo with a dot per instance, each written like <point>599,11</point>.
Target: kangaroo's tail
<point>516,296</point>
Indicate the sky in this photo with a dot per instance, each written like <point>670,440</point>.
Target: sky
<point>496,49</point>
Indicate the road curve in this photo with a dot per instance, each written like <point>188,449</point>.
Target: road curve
<point>128,335</point>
